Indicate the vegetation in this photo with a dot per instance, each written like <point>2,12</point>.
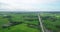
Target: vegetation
<point>51,21</point>
<point>19,22</point>
<point>28,22</point>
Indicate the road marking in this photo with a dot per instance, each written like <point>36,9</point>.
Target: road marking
<point>40,23</point>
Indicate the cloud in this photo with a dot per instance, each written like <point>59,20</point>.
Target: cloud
<point>25,4</point>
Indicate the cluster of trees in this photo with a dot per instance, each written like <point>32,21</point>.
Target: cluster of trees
<point>51,23</point>
<point>11,23</point>
<point>52,18</point>
<point>31,18</point>
<point>33,26</point>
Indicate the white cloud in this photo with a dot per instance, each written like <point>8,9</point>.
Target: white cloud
<point>24,4</point>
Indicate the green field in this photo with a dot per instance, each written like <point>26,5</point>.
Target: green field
<point>19,22</point>
<point>28,22</point>
<point>51,21</point>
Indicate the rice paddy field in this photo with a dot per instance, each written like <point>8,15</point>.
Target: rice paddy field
<point>28,22</point>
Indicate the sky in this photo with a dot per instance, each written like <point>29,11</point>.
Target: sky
<point>29,5</point>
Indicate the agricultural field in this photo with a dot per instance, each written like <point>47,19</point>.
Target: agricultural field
<point>51,21</point>
<point>29,22</point>
<point>19,22</point>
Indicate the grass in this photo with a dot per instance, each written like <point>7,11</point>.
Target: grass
<point>51,24</point>
<point>20,27</point>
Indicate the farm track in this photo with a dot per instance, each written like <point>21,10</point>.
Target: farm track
<point>41,25</point>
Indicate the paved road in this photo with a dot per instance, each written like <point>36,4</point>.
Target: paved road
<point>41,25</point>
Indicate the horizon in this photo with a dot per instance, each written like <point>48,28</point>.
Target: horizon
<point>26,11</point>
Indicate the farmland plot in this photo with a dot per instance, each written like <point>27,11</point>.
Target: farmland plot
<point>51,21</point>
<point>19,23</point>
